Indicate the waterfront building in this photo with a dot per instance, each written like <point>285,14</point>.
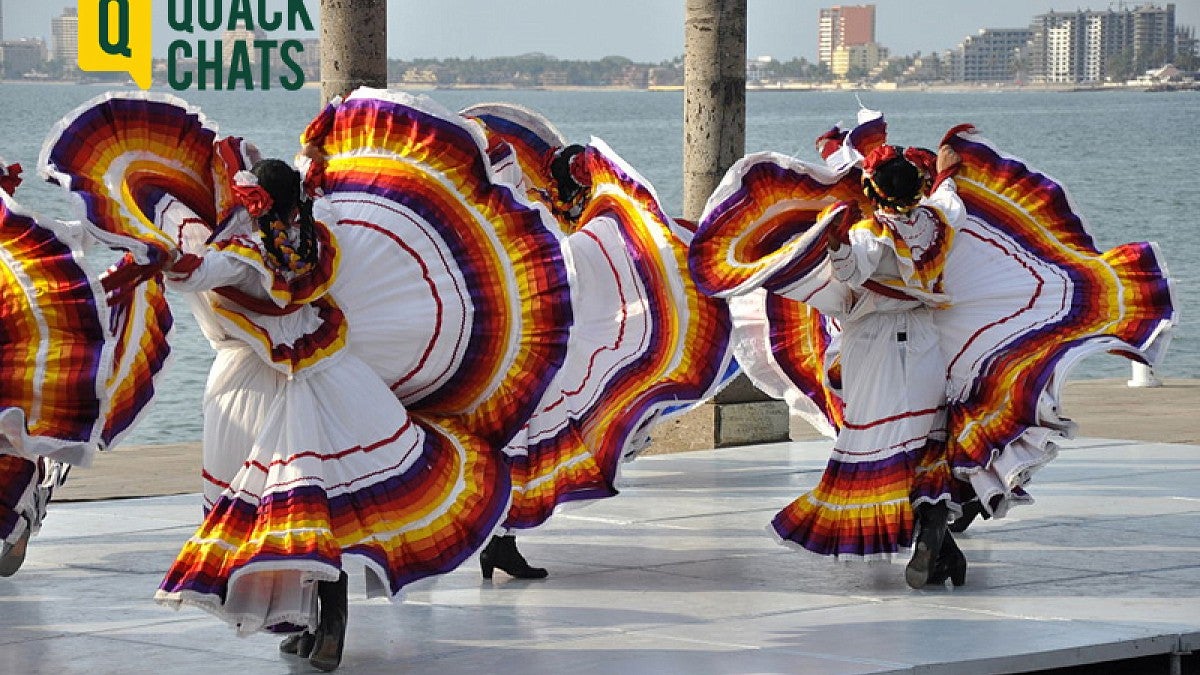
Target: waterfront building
<point>631,76</point>
<point>554,78</point>
<point>1187,48</point>
<point>862,58</point>
<point>64,37</point>
<point>843,26</point>
<point>1153,35</point>
<point>309,60</point>
<point>951,64</point>
<point>661,76</point>
<point>20,57</point>
<point>760,69</point>
<point>1056,49</point>
<point>992,55</point>
<point>231,38</point>
<point>1091,47</point>
<point>419,76</point>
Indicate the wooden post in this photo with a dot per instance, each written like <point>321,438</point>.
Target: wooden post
<point>353,46</point>
<point>714,137</point>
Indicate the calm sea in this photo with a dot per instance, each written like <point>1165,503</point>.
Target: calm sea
<point>1130,160</point>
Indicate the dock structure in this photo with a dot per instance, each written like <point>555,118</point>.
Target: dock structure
<point>677,575</point>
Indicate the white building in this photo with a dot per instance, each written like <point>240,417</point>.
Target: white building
<point>1079,47</point>
<point>64,38</point>
<point>992,55</point>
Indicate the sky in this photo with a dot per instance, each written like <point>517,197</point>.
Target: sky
<point>646,31</point>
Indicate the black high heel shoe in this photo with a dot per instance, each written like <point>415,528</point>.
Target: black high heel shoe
<point>50,474</point>
<point>931,530</point>
<point>13,556</point>
<point>330,637</point>
<point>951,564</point>
<point>501,553</point>
<point>300,644</point>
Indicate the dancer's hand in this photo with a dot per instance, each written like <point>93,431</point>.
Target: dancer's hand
<point>181,265</point>
<point>313,152</point>
<point>311,162</point>
<point>838,230</point>
<point>947,160</point>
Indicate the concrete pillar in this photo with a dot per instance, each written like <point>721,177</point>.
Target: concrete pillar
<point>714,99</point>
<point>714,138</point>
<point>353,46</point>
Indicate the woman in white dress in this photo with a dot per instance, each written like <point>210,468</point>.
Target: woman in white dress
<point>893,369</point>
<point>54,352</point>
<point>307,452</point>
<point>336,426</point>
<point>256,399</point>
<point>942,383</point>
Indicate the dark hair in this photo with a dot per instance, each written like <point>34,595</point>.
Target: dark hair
<point>560,170</point>
<point>282,182</point>
<point>896,184</point>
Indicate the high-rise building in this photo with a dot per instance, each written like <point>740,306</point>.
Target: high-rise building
<point>1079,46</point>
<point>20,57</point>
<point>64,36</point>
<point>1153,36</point>
<point>992,55</point>
<point>844,26</point>
<point>1186,45</point>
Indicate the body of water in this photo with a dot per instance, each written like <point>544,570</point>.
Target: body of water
<point>1128,159</point>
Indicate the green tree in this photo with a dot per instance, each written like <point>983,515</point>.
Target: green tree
<point>1119,66</point>
<point>54,68</point>
<point>893,70</point>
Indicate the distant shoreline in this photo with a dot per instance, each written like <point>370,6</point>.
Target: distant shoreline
<point>789,87</point>
<point>935,88</point>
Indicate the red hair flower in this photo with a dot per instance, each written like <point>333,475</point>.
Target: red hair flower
<point>878,157</point>
<point>10,177</point>
<point>923,159</point>
<point>830,142</point>
<point>581,171</point>
<point>251,195</point>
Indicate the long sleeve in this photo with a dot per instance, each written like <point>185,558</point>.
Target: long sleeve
<point>945,198</point>
<point>856,262</point>
<point>216,269</point>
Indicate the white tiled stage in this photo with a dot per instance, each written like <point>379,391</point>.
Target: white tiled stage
<point>676,575</point>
